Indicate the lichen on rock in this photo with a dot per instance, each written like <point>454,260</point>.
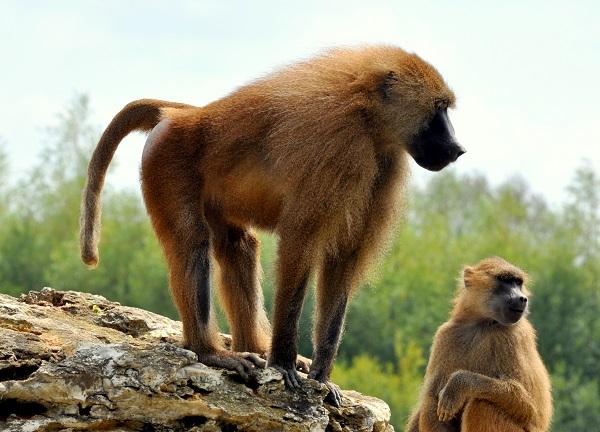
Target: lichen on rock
<point>75,361</point>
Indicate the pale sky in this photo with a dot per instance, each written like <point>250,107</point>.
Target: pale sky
<point>525,75</point>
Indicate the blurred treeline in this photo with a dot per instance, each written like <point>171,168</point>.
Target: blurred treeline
<point>451,221</point>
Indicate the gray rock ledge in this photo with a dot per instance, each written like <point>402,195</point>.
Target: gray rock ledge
<point>73,361</point>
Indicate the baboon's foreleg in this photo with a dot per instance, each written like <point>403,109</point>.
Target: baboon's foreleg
<point>508,395</point>
<point>335,284</point>
<point>295,256</point>
<point>428,420</point>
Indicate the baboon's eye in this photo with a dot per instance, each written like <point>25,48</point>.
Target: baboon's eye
<point>510,278</point>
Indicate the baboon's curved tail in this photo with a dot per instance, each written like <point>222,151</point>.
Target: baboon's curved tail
<point>140,115</point>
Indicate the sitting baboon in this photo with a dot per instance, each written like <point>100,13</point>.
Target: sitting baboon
<point>484,372</point>
<point>315,152</point>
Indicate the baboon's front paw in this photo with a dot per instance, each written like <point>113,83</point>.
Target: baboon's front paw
<point>334,397</point>
<point>449,404</point>
<point>290,376</point>
<point>241,362</point>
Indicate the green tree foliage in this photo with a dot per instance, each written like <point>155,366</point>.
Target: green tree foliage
<point>451,221</point>
<point>577,406</point>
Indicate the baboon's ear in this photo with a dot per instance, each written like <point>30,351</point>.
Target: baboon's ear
<point>468,273</point>
<point>385,88</point>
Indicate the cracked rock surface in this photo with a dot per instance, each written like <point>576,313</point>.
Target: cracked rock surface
<point>73,361</point>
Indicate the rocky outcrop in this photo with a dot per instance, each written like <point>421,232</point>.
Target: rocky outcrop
<point>74,361</point>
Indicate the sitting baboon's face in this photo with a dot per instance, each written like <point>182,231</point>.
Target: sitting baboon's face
<point>494,290</point>
<point>508,302</point>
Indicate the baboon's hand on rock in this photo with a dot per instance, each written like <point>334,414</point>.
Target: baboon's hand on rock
<point>334,397</point>
<point>290,376</point>
<point>335,394</point>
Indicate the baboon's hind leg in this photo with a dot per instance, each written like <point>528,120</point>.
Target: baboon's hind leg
<point>171,188</point>
<point>236,250</point>
<point>482,416</point>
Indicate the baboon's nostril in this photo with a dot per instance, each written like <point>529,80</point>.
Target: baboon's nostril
<point>459,152</point>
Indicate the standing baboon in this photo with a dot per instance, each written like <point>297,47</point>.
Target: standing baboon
<point>315,152</point>
<point>484,373</point>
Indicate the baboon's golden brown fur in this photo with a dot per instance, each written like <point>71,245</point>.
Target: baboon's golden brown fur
<point>315,152</point>
<point>484,372</point>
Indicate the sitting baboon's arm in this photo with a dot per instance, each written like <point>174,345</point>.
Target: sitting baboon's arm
<point>508,395</point>
<point>427,420</point>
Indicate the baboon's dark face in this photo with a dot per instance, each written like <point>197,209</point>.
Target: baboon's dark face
<point>508,302</point>
<point>436,146</point>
